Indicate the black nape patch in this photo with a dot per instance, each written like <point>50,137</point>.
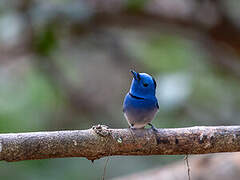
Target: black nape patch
<point>136,97</point>
<point>155,84</point>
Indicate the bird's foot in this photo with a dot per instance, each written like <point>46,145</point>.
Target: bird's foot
<point>131,128</point>
<point>153,127</point>
<point>135,128</point>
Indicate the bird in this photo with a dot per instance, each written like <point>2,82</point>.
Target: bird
<point>140,104</point>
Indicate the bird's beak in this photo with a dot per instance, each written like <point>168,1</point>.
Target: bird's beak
<point>135,75</point>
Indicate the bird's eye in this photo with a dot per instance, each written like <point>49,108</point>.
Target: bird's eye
<point>145,84</point>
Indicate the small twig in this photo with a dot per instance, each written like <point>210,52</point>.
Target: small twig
<point>105,168</point>
<point>188,167</point>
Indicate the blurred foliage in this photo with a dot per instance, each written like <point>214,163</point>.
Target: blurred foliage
<point>27,102</point>
<point>166,53</point>
<point>70,79</point>
<point>45,41</point>
<point>135,5</point>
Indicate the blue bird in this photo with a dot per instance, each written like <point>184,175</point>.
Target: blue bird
<point>140,104</point>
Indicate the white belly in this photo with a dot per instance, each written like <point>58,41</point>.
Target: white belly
<point>138,120</point>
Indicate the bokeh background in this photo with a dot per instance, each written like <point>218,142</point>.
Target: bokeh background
<point>65,65</point>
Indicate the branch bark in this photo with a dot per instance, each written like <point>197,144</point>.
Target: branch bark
<point>100,141</point>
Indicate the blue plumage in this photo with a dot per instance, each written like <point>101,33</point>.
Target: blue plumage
<point>140,104</point>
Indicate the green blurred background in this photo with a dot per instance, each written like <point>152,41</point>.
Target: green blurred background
<point>65,65</point>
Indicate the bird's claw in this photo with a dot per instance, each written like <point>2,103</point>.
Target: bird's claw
<point>153,127</point>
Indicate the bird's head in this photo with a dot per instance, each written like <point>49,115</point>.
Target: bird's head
<point>143,85</point>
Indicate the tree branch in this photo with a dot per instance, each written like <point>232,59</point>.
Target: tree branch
<point>100,141</point>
